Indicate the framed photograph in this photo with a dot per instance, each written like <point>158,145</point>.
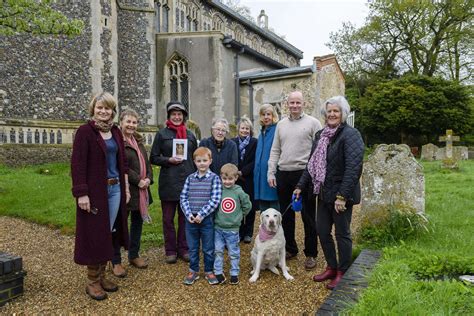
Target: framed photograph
<point>180,148</point>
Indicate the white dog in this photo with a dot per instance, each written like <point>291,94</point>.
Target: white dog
<point>269,248</point>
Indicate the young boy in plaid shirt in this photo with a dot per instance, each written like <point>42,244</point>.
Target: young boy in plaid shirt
<point>199,198</point>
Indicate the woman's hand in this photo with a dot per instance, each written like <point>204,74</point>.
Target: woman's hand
<point>297,193</point>
<point>144,183</point>
<point>339,206</point>
<point>127,196</point>
<point>84,203</point>
<point>175,160</point>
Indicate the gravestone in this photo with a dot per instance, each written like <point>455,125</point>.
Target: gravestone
<point>391,178</point>
<point>449,160</point>
<point>429,152</point>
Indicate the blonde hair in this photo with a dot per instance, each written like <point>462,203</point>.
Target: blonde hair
<point>229,170</point>
<point>202,151</point>
<point>268,107</point>
<point>107,100</point>
<point>246,121</point>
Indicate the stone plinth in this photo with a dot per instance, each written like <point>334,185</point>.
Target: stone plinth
<point>11,277</point>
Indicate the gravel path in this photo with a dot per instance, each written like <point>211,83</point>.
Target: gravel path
<point>55,284</point>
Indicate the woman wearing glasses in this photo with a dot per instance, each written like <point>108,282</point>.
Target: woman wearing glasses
<point>100,185</point>
<point>223,150</point>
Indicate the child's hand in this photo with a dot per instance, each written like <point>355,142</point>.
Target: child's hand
<point>191,219</point>
<point>198,219</point>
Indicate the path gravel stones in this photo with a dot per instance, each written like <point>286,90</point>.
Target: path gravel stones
<point>55,284</point>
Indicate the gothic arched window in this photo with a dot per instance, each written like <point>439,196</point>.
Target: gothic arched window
<point>179,80</point>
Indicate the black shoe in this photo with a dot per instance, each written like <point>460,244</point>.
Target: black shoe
<point>221,278</point>
<point>290,255</point>
<point>247,239</point>
<point>234,280</point>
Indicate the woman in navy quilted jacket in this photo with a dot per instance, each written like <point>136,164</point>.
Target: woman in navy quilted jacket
<point>332,174</point>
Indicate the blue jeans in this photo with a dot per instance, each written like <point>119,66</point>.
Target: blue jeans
<point>195,234</point>
<point>230,239</point>
<point>114,203</point>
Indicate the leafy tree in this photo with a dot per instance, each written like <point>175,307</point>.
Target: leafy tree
<point>35,17</point>
<point>407,36</point>
<point>414,110</point>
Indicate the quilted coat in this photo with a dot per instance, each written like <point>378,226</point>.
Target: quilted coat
<point>344,160</point>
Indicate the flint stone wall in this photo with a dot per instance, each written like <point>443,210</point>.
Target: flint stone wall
<point>431,152</point>
<point>19,155</point>
<point>392,178</point>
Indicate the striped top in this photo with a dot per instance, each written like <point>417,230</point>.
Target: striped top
<point>201,195</point>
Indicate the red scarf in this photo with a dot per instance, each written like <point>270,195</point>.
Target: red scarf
<point>180,129</point>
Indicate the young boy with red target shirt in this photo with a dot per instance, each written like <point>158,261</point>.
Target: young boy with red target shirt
<point>235,205</point>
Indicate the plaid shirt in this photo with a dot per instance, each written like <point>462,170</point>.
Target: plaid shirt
<point>204,200</point>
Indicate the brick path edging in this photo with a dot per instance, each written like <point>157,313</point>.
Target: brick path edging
<point>351,285</point>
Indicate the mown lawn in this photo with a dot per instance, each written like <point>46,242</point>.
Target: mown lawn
<point>418,276</point>
<point>42,194</point>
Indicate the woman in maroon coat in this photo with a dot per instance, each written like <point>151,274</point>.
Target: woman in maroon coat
<point>100,185</point>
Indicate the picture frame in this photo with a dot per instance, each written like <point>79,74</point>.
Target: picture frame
<point>180,148</point>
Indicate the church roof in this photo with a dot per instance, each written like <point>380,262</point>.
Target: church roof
<point>255,28</point>
<point>276,73</point>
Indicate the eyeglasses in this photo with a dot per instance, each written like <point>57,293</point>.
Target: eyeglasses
<point>220,130</point>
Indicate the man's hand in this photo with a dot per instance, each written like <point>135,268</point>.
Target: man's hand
<point>297,193</point>
<point>272,183</point>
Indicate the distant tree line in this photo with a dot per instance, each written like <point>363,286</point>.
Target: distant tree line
<point>409,69</point>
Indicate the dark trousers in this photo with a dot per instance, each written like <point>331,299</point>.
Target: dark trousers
<point>246,227</point>
<point>327,216</point>
<point>136,225</point>
<point>174,244</point>
<point>286,182</point>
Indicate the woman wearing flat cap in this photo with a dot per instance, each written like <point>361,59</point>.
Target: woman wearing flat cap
<point>173,173</point>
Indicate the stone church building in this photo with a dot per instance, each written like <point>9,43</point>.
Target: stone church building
<point>147,53</point>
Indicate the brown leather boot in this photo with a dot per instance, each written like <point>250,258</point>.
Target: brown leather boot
<point>139,263</point>
<point>94,288</point>
<point>331,285</point>
<point>118,270</point>
<point>329,273</point>
<point>107,285</point>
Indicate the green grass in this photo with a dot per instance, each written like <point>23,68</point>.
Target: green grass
<point>42,194</point>
<point>396,287</point>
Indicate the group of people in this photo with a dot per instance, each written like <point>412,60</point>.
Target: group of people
<point>214,186</point>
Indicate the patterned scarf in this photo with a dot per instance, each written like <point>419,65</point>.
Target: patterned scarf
<point>243,142</point>
<point>104,126</point>
<point>180,129</point>
<point>264,234</point>
<point>317,163</point>
<point>143,193</point>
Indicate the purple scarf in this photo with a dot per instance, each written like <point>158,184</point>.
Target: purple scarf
<point>317,163</point>
<point>264,234</point>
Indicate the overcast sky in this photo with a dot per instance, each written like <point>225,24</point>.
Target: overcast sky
<point>306,24</point>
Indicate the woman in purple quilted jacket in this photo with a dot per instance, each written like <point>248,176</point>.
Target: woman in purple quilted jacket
<point>332,176</point>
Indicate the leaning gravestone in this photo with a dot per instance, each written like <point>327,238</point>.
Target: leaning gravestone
<point>391,178</point>
<point>429,152</point>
